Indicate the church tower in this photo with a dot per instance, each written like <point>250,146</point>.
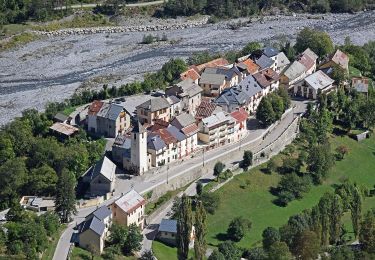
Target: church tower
<point>139,158</point>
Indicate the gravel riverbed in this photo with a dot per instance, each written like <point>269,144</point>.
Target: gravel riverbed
<point>52,68</point>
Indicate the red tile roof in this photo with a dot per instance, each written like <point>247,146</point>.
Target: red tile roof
<point>190,130</point>
<point>95,107</point>
<point>340,59</point>
<point>220,62</point>
<point>205,109</point>
<point>190,74</point>
<point>307,61</point>
<point>251,66</point>
<point>266,77</point>
<point>240,115</point>
<point>158,124</point>
<point>166,136</point>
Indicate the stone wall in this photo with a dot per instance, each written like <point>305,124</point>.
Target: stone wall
<point>285,138</point>
<point>123,29</point>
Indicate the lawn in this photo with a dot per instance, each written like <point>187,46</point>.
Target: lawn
<point>81,254</point>
<point>354,72</point>
<point>254,201</point>
<point>67,111</point>
<point>165,252</point>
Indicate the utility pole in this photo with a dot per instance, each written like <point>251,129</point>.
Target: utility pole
<point>203,156</point>
<point>167,173</point>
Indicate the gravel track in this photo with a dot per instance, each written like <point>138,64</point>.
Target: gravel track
<point>51,69</point>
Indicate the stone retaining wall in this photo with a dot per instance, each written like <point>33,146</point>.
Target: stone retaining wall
<point>122,29</point>
<point>285,138</point>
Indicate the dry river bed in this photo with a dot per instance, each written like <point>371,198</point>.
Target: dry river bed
<point>52,68</point>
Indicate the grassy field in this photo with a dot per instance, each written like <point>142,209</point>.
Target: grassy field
<point>81,254</point>
<point>165,252</point>
<point>254,201</point>
<point>18,40</point>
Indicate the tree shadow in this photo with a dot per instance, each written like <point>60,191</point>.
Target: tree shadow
<point>222,236</point>
<point>339,132</point>
<point>253,124</point>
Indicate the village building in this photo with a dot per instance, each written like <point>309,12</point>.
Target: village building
<point>121,146</point>
<point>139,161</point>
<point>63,130</point>
<point>186,124</point>
<point>192,73</point>
<point>247,67</point>
<point>265,62</point>
<point>175,106</point>
<point>253,90</point>
<point>212,84</point>
<point>214,130</point>
<point>279,58</point>
<point>107,119</point>
<point>181,140</point>
<point>61,118</point>
<point>167,232</point>
<point>232,99</point>
<point>268,79</point>
<point>92,234</point>
<point>104,214</point>
<point>206,109</point>
<point>102,177</point>
<point>240,128</point>
<point>338,58</point>
<point>219,62</point>
<point>38,204</point>
<point>190,94</point>
<point>315,84</point>
<point>163,147</point>
<point>129,209</point>
<point>157,108</point>
<point>360,84</point>
<point>232,75</point>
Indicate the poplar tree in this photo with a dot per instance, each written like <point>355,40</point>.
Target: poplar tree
<point>184,226</point>
<point>200,244</point>
<point>65,202</point>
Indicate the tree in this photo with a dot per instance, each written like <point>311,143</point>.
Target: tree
<point>118,235</point>
<point>42,181</point>
<point>256,253</point>
<point>279,251</point>
<point>147,255</point>
<point>65,204</point>
<point>133,240</point>
<point>271,166</point>
<point>199,188</point>
<point>250,48</point>
<point>229,250</point>
<point>218,169</point>
<point>292,186</point>
<point>200,245</point>
<point>336,214</point>
<point>320,160</point>
<point>367,232</point>
<point>338,74</point>
<point>184,226</point>
<point>356,210</point>
<point>342,253</point>
<point>216,255</point>
<point>318,41</point>
<point>6,147</point>
<point>237,228</point>
<point>13,174</point>
<point>270,236</point>
<point>247,160</point>
<point>342,150</point>
<point>210,201</point>
<point>308,245</point>
<point>265,113</point>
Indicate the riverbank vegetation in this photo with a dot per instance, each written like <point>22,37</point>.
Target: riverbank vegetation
<point>236,8</point>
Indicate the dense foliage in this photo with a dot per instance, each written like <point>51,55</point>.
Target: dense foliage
<point>32,160</point>
<point>272,107</point>
<point>238,8</point>
<point>27,234</point>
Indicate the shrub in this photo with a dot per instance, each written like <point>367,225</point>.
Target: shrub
<point>237,228</point>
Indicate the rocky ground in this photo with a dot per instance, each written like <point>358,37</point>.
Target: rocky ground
<point>52,68</point>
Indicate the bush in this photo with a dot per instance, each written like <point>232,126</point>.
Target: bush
<point>148,39</point>
<point>237,228</point>
<point>210,201</point>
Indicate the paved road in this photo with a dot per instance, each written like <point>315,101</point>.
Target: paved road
<point>126,5</point>
<point>148,182</point>
<point>150,231</point>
